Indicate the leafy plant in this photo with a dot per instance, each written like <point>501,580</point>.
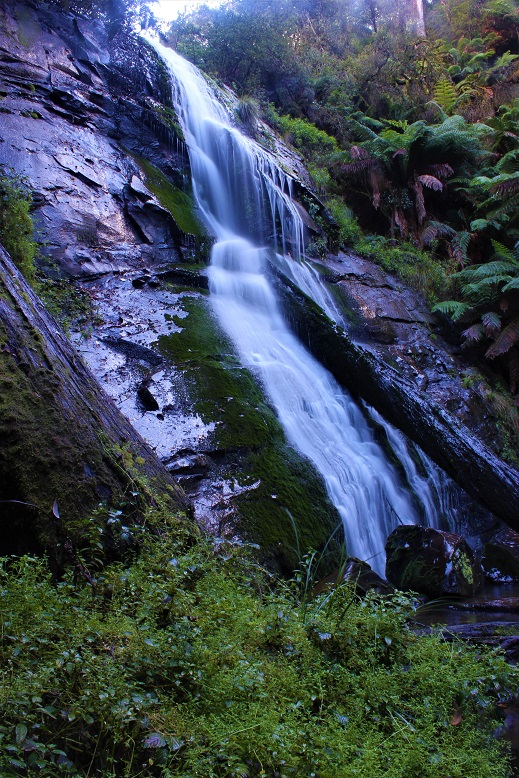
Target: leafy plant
<point>490,304</point>
<point>187,661</point>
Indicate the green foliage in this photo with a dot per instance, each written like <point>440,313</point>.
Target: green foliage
<point>186,663</point>
<point>489,303</point>
<point>445,94</point>
<point>419,269</point>
<point>349,231</point>
<point>16,227</point>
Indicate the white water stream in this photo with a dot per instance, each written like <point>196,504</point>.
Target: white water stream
<point>245,199</point>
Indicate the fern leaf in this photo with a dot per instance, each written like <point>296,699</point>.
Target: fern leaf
<point>492,324</point>
<point>514,284</point>
<point>442,170</point>
<point>474,333</point>
<point>431,182</point>
<point>505,341</point>
<point>453,308</point>
<point>445,94</point>
<point>460,244</point>
<point>358,167</point>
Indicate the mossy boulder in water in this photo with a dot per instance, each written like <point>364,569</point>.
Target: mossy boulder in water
<point>431,562</point>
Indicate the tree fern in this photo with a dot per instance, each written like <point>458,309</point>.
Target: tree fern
<point>445,94</point>
<point>454,308</point>
<point>508,338</point>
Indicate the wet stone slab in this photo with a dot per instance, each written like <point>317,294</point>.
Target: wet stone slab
<point>120,352</point>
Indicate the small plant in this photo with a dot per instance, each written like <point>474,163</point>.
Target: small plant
<point>16,226</point>
<point>247,111</point>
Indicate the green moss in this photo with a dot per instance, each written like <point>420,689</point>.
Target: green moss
<point>247,430</point>
<point>462,563</point>
<point>169,118</point>
<point>179,204</point>
<point>16,226</point>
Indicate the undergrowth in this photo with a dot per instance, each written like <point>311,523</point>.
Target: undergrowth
<point>187,661</point>
<point>420,269</point>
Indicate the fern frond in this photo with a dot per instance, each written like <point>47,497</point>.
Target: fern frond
<point>453,308</point>
<point>478,225</point>
<point>460,244</point>
<point>431,182</point>
<point>474,333</point>
<point>505,341</point>
<point>435,230</point>
<point>445,94</point>
<point>514,284</point>
<point>502,251</point>
<point>492,324</point>
<point>442,170</point>
<point>358,167</point>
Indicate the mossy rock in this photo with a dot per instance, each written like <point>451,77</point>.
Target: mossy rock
<point>65,446</point>
<point>288,512</point>
<point>431,562</point>
<point>179,204</point>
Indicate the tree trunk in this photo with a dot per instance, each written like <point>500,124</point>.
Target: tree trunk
<point>65,447</point>
<point>484,476</point>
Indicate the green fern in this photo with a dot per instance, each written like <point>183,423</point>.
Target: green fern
<point>453,308</point>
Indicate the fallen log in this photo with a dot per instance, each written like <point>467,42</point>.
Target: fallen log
<point>486,478</point>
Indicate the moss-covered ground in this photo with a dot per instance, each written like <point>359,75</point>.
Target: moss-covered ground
<point>289,507</point>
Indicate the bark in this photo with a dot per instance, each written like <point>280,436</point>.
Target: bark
<point>64,446</point>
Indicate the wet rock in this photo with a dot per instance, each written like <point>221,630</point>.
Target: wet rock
<point>146,398</point>
<point>501,556</point>
<point>138,188</point>
<point>357,572</point>
<point>133,350</point>
<point>185,277</point>
<point>431,562</point>
<point>189,463</point>
<point>140,281</point>
<point>360,573</point>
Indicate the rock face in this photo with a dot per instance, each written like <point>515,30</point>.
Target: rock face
<point>431,562</point>
<point>396,325</point>
<point>65,446</point>
<point>86,121</point>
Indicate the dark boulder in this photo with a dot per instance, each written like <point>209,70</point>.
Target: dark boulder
<point>431,562</point>
<point>501,556</point>
<point>357,572</point>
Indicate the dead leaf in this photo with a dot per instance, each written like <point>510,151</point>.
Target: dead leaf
<point>456,716</point>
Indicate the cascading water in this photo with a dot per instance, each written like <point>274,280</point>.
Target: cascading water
<point>245,199</point>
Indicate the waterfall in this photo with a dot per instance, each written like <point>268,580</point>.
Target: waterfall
<point>245,200</point>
